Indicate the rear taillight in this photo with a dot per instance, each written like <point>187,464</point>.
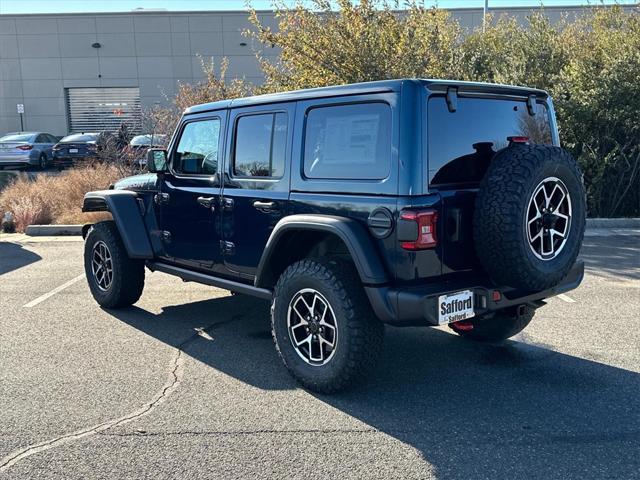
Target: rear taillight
<point>518,139</point>
<point>424,233</point>
<point>24,147</point>
<point>56,147</point>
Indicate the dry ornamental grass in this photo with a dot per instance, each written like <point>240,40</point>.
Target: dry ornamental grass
<point>55,199</point>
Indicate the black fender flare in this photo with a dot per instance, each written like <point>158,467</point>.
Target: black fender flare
<point>125,209</point>
<point>352,233</point>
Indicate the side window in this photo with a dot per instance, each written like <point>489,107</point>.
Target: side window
<point>260,145</point>
<point>41,138</point>
<point>52,139</point>
<point>197,151</point>
<point>348,142</point>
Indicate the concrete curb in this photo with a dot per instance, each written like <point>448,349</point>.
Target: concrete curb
<point>613,222</point>
<point>53,230</point>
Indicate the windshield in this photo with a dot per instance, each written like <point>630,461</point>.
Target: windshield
<point>146,139</point>
<point>80,137</point>
<point>17,137</point>
<point>461,144</point>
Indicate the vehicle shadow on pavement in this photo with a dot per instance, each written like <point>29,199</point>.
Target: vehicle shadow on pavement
<point>14,256</point>
<point>515,410</point>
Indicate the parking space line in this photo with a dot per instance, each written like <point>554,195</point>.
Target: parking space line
<point>42,298</point>
<point>566,298</point>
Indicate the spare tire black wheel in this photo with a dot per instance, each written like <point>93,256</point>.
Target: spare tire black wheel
<point>529,218</point>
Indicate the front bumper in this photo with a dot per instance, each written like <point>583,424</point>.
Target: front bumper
<point>415,306</point>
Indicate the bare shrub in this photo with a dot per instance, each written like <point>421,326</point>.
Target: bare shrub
<point>30,211</point>
<point>213,87</point>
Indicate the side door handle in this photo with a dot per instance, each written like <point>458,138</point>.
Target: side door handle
<point>207,202</point>
<point>264,206</point>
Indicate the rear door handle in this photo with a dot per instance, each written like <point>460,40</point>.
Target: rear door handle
<point>207,202</point>
<point>265,206</point>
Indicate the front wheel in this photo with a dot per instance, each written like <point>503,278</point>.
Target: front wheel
<point>115,280</point>
<point>495,327</point>
<point>323,326</point>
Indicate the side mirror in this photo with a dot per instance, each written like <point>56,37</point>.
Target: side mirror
<point>157,160</point>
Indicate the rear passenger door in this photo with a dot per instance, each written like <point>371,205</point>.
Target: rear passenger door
<point>256,182</point>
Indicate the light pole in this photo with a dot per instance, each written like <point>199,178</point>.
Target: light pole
<point>484,15</point>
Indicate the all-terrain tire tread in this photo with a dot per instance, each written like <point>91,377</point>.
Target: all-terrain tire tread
<point>366,332</point>
<point>497,227</point>
<point>127,287</point>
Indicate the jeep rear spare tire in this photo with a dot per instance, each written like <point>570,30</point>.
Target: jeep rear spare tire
<point>529,218</point>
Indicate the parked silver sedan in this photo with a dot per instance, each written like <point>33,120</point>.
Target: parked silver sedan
<point>24,149</point>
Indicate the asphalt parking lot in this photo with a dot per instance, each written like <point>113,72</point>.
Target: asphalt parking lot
<point>187,384</point>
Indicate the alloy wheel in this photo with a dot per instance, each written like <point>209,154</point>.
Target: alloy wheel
<point>548,218</point>
<point>102,265</point>
<point>312,326</point>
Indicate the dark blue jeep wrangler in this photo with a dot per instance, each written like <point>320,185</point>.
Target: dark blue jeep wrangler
<point>406,202</point>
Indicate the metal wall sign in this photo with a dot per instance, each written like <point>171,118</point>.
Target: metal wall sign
<point>103,108</point>
<point>20,107</point>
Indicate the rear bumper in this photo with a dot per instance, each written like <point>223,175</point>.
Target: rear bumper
<point>17,160</point>
<point>69,161</point>
<point>414,306</point>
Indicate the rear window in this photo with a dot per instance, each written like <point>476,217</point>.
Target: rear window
<point>20,137</point>
<point>462,143</point>
<point>81,137</point>
<point>348,142</point>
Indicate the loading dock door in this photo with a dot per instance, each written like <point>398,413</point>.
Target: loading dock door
<point>103,108</point>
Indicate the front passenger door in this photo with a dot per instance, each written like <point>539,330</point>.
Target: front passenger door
<point>190,192</point>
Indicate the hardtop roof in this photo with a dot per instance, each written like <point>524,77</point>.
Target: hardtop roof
<point>379,86</point>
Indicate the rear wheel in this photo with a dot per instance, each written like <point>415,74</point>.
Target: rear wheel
<point>323,326</point>
<point>115,280</point>
<point>42,162</point>
<point>495,327</point>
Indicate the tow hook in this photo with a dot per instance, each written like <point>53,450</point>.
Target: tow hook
<point>462,325</point>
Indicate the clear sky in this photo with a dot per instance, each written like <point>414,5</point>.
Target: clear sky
<point>67,6</point>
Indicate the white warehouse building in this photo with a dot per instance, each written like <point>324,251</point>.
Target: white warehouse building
<point>82,72</point>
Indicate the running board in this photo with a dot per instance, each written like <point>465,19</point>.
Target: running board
<point>191,276</point>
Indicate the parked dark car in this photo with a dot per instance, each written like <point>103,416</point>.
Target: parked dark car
<point>25,149</point>
<point>80,147</point>
<point>406,202</point>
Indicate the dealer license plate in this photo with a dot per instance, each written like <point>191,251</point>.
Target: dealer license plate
<point>73,150</point>
<point>455,307</point>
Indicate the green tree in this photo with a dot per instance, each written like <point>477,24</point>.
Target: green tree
<point>598,104</point>
<point>356,42</point>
